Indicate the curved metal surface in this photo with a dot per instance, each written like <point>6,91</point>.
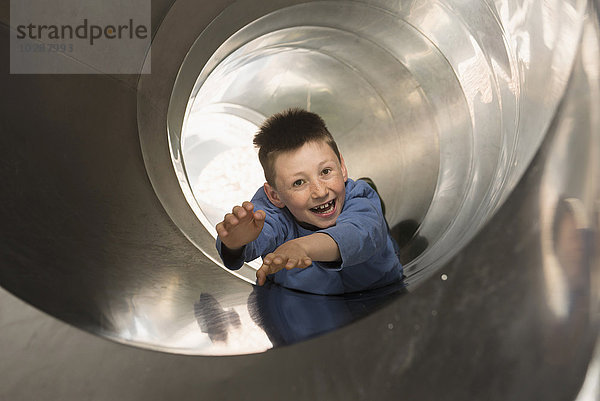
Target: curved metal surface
<point>504,301</point>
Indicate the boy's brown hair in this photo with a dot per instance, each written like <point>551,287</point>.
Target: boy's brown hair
<point>286,131</point>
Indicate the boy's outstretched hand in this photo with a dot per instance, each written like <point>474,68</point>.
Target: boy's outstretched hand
<point>241,226</point>
<point>289,255</point>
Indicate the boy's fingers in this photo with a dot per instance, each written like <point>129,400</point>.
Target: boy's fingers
<point>261,276</point>
<point>259,220</point>
<point>239,212</point>
<point>263,272</point>
<point>248,206</point>
<point>221,231</point>
<point>260,215</point>
<point>268,259</point>
<point>230,219</point>
<point>266,270</point>
<point>272,263</point>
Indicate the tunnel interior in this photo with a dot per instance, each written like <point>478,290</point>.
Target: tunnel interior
<point>442,107</point>
<point>475,119</point>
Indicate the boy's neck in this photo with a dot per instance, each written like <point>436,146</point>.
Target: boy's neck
<point>306,226</point>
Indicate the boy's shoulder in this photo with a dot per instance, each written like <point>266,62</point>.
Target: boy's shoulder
<point>359,189</point>
<point>361,196</point>
<point>261,200</point>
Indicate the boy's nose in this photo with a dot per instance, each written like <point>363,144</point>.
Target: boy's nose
<point>319,190</point>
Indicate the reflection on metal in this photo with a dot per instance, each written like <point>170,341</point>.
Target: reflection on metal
<point>288,316</point>
<point>476,119</point>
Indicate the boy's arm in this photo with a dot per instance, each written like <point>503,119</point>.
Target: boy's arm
<point>299,253</point>
<point>232,259</point>
<point>237,229</point>
<point>272,232</point>
<point>320,247</point>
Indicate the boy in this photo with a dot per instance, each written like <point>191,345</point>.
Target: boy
<point>317,230</point>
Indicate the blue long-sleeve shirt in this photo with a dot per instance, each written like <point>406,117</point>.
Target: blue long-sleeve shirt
<point>368,256</point>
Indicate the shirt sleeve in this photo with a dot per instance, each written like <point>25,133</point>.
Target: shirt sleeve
<point>360,231</point>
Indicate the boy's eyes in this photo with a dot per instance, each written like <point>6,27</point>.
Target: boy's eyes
<point>299,182</point>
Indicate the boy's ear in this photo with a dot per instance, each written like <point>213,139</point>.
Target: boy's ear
<point>344,170</point>
<point>273,195</point>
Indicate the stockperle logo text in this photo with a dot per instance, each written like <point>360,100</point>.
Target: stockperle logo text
<point>85,30</point>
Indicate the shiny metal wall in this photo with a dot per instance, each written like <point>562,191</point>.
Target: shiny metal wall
<point>98,232</point>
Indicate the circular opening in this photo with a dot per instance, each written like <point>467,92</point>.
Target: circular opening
<point>376,109</point>
<point>423,97</point>
<point>427,110</point>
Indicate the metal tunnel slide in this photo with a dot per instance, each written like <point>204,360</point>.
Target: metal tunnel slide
<point>478,120</point>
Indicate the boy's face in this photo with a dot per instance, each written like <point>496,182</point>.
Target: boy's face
<point>309,181</point>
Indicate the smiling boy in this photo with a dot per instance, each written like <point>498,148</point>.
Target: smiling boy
<point>317,230</point>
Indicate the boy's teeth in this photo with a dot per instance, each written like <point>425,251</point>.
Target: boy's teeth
<point>324,206</point>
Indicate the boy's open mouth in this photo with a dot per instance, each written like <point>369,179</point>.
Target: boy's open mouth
<point>324,208</point>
